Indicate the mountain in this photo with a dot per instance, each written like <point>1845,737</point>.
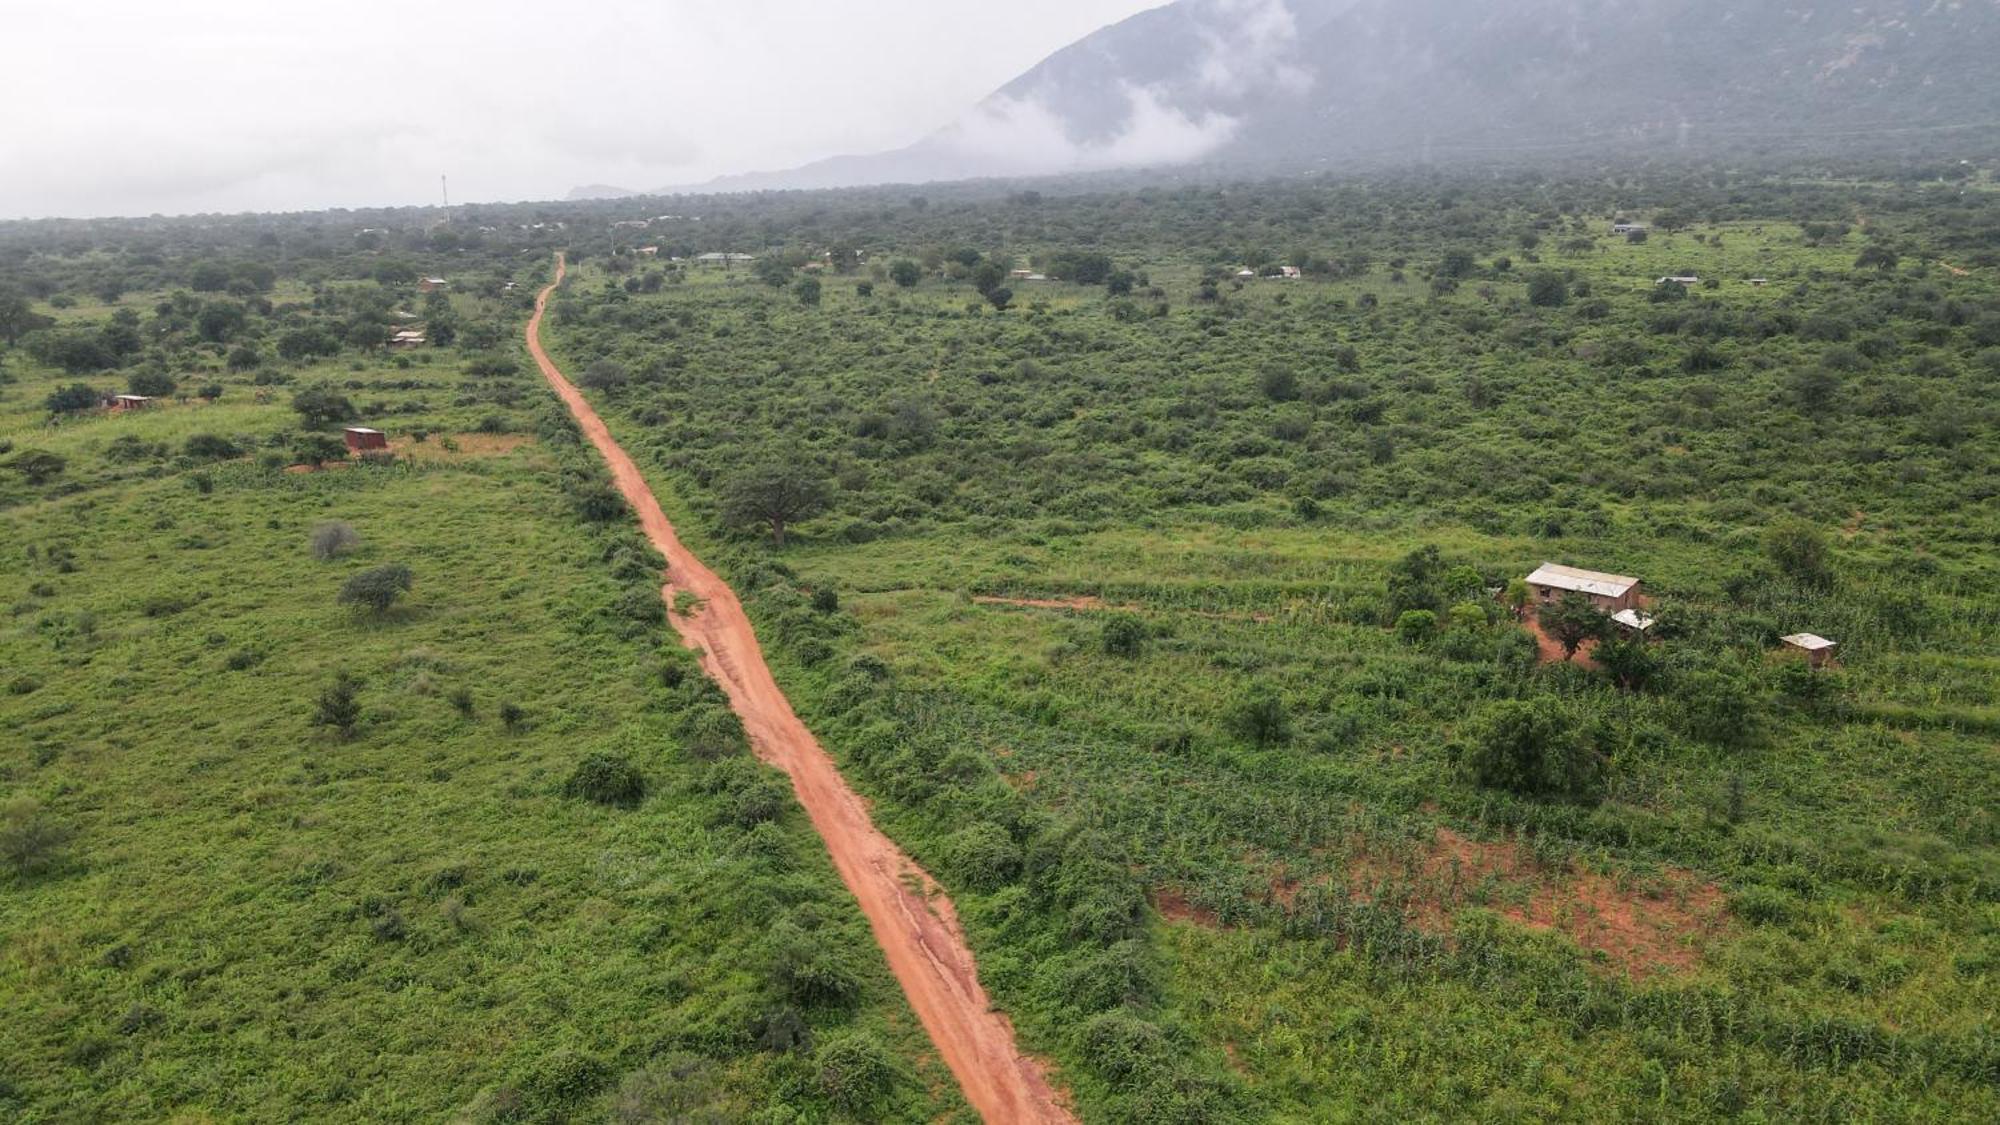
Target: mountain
<point>1295,83</point>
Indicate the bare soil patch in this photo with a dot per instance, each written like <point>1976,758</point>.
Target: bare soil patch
<point>1643,927</point>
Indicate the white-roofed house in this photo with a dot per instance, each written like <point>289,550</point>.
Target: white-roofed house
<point>1608,592</point>
<point>1818,650</point>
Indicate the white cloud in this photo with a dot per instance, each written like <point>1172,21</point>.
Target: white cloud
<point>1026,137</point>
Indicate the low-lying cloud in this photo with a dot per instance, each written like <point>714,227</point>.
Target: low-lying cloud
<point>1026,136</point>
<point>1235,53</point>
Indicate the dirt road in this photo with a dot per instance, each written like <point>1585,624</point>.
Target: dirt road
<point>913,920</point>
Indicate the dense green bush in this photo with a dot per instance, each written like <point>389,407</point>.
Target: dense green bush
<point>606,779</point>
<point>1535,749</point>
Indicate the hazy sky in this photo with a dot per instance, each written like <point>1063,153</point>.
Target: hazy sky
<point>131,107</point>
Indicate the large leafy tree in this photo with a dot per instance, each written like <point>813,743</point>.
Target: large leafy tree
<point>1535,750</point>
<point>776,495</point>
<point>1572,620</point>
<point>322,406</point>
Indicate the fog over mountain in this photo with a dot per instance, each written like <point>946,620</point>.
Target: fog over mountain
<point>1299,83</point>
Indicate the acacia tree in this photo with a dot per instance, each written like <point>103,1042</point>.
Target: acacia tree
<point>777,495</point>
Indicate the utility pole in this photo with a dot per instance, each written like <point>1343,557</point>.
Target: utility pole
<point>444,185</point>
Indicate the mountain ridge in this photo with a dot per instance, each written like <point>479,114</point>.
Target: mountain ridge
<point>1313,83</point>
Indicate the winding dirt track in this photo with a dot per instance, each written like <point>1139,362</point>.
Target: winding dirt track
<point>913,920</point>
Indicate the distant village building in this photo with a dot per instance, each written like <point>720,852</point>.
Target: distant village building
<point>121,403</point>
<point>361,439</point>
<point>1246,274</point>
<point>1290,273</point>
<point>1689,281</point>
<point>629,224</point>
<point>1627,228</point>
<point>725,261</point>
<point>1020,275</point>
<point>1759,282</point>
<point>1608,592</point>
<point>430,284</point>
<point>1817,649</point>
<point>648,251</point>
<point>407,338</point>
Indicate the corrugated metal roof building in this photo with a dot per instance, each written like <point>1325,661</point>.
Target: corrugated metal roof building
<point>1610,592</point>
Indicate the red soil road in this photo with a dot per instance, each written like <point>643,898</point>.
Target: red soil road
<point>913,921</point>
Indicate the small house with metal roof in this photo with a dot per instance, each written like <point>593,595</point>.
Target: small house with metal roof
<point>1608,592</point>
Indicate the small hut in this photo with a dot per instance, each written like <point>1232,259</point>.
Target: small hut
<point>121,403</point>
<point>1633,623</point>
<point>1817,649</point>
<point>360,439</point>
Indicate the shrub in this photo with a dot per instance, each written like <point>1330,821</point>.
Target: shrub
<point>377,590</point>
<point>30,842</point>
<point>1417,626</point>
<point>338,706</point>
<point>211,447</point>
<point>811,969</point>
<point>512,716</point>
<point>982,855</point>
<point>317,449</point>
<point>1262,719</point>
<point>1716,705</point>
<point>679,1089</point>
<point>854,1072</point>
<point>749,794</point>
<point>1123,635</point>
<point>565,1078</point>
<point>607,779</point>
<point>72,399</point>
<point>1799,551</point>
<point>39,466</point>
<point>332,539</point>
<point>714,734</point>
<point>605,375</point>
